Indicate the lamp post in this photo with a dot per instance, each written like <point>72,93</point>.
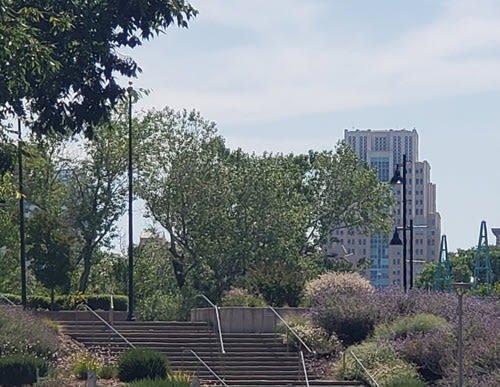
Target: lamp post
<point>398,179</point>
<point>22,258</point>
<point>460,288</point>
<point>130,316</point>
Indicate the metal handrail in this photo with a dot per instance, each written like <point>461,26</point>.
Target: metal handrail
<point>291,330</point>
<point>364,369</point>
<point>109,326</point>
<point>8,299</point>
<point>304,368</point>
<point>208,368</point>
<point>216,308</point>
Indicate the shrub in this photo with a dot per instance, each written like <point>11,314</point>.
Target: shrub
<point>23,333</point>
<point>407,326</point>
<point>103,302</point>
<point>351,317</point>
<point>314,337</point>
<point>82,363</point>
<point>167,307</point>
<point>280,283</point>
<point>241,297</point>
<point>181,380</point>
<point>140,363</point>
<point>16,370</point>
<point>336,282</point>
<point>380,359</point>
<point>405,381</point>
<point>107,372</point>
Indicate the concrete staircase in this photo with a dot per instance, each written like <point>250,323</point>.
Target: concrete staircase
<point>251,359</point>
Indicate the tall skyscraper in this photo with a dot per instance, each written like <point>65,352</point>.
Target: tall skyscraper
<point>384,150</point>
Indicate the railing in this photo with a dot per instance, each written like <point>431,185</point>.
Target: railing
<point>109,326</point>
<point>304,368</point>
<point>208,368</point>
<point>363,368</point>
<point>291,330</point>
<point>7,299</point>
<point>218,320</point>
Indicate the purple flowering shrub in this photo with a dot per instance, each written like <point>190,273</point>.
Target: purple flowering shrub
<point>353,318</point>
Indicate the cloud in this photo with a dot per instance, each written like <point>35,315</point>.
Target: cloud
<point>292,67</point>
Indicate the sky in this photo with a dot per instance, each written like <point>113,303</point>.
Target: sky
<point>292,75</point>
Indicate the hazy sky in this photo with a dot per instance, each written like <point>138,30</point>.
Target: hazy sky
<point>291,75</point>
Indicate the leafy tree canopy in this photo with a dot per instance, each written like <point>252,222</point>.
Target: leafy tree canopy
<point>59,58</point>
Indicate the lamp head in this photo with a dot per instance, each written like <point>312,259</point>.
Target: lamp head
<point>396,241</point>
<point>397,178</point>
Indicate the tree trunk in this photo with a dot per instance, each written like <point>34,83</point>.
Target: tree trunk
<point>87,255</point>
<point>52,299</point>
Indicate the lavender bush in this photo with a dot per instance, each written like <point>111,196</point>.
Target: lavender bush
<point>353,317</point>
<point>22,333</point>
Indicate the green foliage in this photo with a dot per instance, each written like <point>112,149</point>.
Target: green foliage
<point>315,337</point>
<point>49,249</point>
<point>410,325</point>
<point>280,283</point>
<point>405,381</point>
<point>83,363</point>
<point>135,364</point>
<point>175,380</point>
<point>17,370</point>
<point>107,372</point>
<point>241,297</point>
<point>380,359</point>
<point>274,212</point>
<point>462,264</point>
<point>59,50</point>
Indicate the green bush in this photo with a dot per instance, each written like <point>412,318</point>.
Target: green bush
<point>83,363</point>
<point>141,363</point>
<point>16,370</point>
<point>351,317</point>
<point>315,338</point>
<point>107,372</point>
<point>241,297</point>
<point>380,359</point>
<point>405,381</point>
<point>175,379</point>
<point>161,382</point>
<point>103,302</point>
<point>407,326</point>
<point>280,283</point>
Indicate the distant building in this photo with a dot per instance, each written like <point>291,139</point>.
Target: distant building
<point>149,237</point>
<point>496,232</point>
<point>384,150</point>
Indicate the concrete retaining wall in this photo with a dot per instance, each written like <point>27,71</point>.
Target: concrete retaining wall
<point>245,319</point>
<point>77,315</point>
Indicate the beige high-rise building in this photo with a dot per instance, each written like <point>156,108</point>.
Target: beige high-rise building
<point>384,150</point>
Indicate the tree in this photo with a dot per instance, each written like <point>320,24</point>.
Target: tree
<point>49,250</point>
<point>226,212</point>
<point>96,191</point>
<point>59,58</point>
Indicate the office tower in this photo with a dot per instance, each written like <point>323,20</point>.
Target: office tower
<point>384,150</point>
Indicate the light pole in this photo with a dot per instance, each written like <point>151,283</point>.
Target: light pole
<point>398,179</point>
<point>22,258</point>
<point>130,316</point>
<point>460,288</point>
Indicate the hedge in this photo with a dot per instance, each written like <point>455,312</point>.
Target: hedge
<point>67,302</point>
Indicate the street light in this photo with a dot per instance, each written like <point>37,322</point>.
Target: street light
<point>398,179</point>
<point>130,316</point>
<point>460,288</point>
<point>22,258</point>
